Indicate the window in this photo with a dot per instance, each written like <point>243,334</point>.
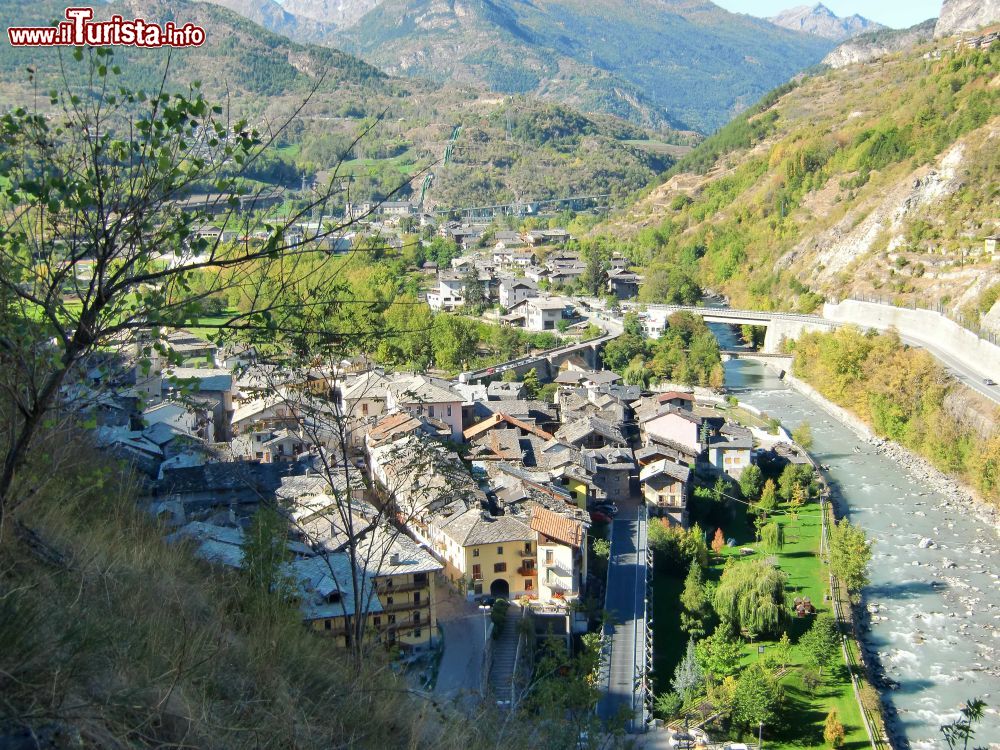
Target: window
<point>430,410</point>
<point>328,624</point>
<point>475,552</point>
<point>449,410</point>
<point>416,597</point>
<point>364,410</point>
<point>477,572</point>
<point>527,546</point>
<point>549,556</point>
<point>529,564</point>
<point>416,617</point>
<point>388,600</point>
<point>499,550</point>
<point>392,619</point>
<point>500,567</point>
<point>529,585</point>
<point>377,621</point>
<point>420,578</point>
<point>417,633</point>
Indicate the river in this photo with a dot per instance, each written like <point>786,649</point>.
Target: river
<point>940,636</point>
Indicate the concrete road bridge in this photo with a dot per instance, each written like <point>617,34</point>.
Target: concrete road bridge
<point>779,325</point>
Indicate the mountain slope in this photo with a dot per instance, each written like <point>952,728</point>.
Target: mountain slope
<point>821,21</point>
<point>875,44</point>
<point>966,15</point>
<point>266,78</point>
<point>679,62</point>
<point>878,180</point>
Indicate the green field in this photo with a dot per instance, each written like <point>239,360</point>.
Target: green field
<point>807,576</point>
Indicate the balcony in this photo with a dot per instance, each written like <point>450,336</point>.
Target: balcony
<point>523,571</point>
<point>402,588</point>
<point>406,606</point>
<point>525,553</point>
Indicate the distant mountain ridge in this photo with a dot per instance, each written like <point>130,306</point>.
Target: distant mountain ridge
<point>684,64</point>
<point>823,22</point>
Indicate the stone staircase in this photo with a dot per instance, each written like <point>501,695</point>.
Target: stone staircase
<point>505,656</point>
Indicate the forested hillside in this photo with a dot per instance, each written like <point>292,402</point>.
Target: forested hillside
<point>267,78</point>
<point>880,179</point>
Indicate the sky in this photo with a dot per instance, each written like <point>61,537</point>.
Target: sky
<point>899,14</point>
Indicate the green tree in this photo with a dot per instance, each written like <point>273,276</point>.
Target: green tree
<point>531,384</point>
<point>89,207</point>
<point>958,733</point>
<point>850,554</point>
<point>454,341</point>
<point>768,497</point>
<point>820,645</point>
<point>602,548</point>
<point>833,729</point>
<point>689,679</point>
<point>803,435</point>
<point>757,700</point>
<point>697,610</point>
<point>720,655</point>
<point>750,481</point>
<point>792,476</point>
<point>474,291</point>
<point>751,597</point>
<point>771,536</point>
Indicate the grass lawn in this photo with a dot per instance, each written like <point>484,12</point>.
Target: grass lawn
<point>807,576</point>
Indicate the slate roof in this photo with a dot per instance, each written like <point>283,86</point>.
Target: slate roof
<point>317,578</point>
<point>665,467</point>
<point>371,384</point>
<point>421,389</point>
<point>220,477</point>
<point>579,429</point>
<point>607,459</point>
<point>557,527</point>
<point>475,527</point>
<point>393,426</point>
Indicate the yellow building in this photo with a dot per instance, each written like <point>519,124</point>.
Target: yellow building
<point>492,554</point>
<point>404,580</point>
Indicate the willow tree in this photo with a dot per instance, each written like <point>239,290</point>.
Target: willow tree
<point>750,598</point>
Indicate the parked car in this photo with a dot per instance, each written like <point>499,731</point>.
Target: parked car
<point>989,381</point>
<point>609,509</point>
<point>597,517</point>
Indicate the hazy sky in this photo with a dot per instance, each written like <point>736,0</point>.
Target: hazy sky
<point>896,13</point>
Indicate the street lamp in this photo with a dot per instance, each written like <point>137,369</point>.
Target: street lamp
<point>760,733</point>
<point>484,608</point>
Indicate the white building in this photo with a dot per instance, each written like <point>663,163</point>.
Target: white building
<point>513,291</point>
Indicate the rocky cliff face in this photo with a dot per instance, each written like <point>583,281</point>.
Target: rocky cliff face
<point>871,46</point>
<point>966,15</point>
<point>819,20</point>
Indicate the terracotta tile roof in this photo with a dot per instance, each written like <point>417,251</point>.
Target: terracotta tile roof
<point>556,527</point>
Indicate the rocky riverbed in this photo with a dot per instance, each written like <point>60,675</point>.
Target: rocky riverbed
<point>933,605</point>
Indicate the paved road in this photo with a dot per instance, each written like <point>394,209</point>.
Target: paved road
<point>625,601</point>
<point>962,372</point>
<point>460,673</point>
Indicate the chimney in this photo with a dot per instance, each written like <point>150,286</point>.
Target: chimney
<point>394,558</point>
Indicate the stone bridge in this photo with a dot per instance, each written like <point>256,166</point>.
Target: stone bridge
<point>545,363</point>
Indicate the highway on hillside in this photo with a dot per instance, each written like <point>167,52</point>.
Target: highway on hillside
<point>963,372</point>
